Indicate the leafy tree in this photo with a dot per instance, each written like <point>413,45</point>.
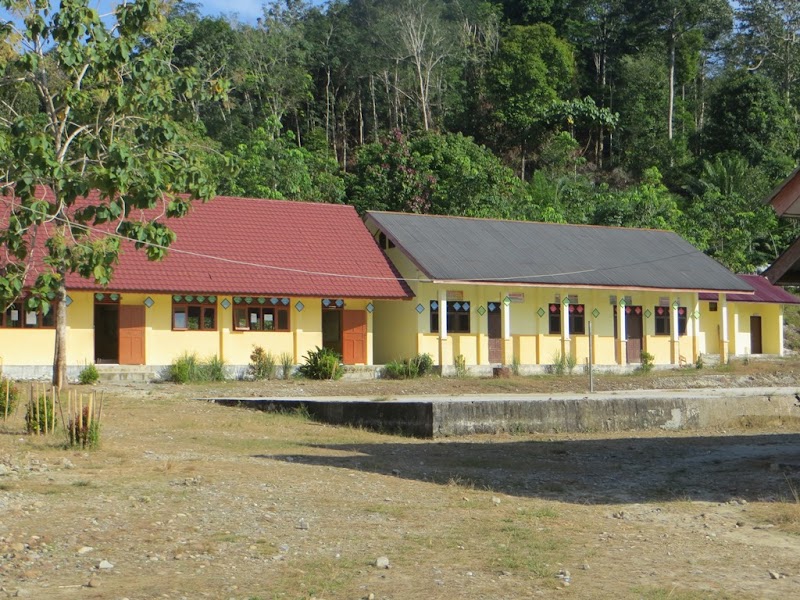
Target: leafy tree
<point>726,218</point>
<point>532,70</point>
<point>108,96</point>
<point>432,173</point>
<point>268,165</point>
<point>769,41</point>
<point>746,115</point>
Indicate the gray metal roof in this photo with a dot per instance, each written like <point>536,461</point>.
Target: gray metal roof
<point>486,250</point>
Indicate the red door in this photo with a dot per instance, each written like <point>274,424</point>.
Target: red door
<point>354,337</point>
<point>634,330</point>
<point>131,335</point>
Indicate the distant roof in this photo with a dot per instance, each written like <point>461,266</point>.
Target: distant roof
<point>546,254</point>
<point>258,247</point>
<point>765,292</point>
<point>785,198</point>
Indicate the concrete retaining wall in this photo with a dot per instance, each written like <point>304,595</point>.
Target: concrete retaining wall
<point>602,414</point>
<point>455,417</point>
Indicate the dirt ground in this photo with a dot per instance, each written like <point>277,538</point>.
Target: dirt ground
<point>186,499</point>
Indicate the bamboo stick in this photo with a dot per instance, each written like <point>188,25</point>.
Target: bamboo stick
<point>53,411</point>
<point>8,397</point>
<point>80,420</point>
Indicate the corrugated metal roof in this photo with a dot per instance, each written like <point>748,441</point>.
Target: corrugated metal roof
<point>255,247</point>
<point>521,252</point>
<point>765,292</point>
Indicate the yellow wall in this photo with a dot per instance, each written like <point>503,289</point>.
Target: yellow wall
<point>163,345</point>
<point>405,332</point>
<point>739,314</point>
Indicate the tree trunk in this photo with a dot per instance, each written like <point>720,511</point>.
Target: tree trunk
<point>374,108</point>
<point>60,351</point>
<point>671,86</point>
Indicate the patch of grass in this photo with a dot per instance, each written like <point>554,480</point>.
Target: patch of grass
<point>460,363</point>
<point>659,593</point>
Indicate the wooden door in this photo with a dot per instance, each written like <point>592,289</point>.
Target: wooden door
<point>131,335</point>
<point>634,330</point>
<point>354,337</point>
<point>755,335</point>
<point>494,326</point>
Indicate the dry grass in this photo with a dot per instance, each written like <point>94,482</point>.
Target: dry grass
<point>192,500</point>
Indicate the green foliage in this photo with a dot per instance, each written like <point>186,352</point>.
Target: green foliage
<point>188,368</point>
<point>460,364</point>
<point>699,364</point>
<point>89,375</point>
<point>8,405</point>
<point>322,363</point>
<point>570,362</point>
<point>746,115</point>
<point>112,120</point>
<point>409,368</point>
<point>433,173</point>
<point>648,361</point>
<point>558,365</point>
<point>515,365</point>
<point>39,415</point>
<point>269,165</point>
<point>83,429</point>
<point>286,361</point>
<point>262,364</point>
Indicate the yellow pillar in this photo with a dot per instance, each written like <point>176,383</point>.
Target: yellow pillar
<point>723,342</point>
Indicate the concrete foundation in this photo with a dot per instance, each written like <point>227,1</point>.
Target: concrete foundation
<point>642,410</point>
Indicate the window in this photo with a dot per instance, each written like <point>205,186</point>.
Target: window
<point>663,320</point>
<point>712,306</point>
<point>458,317</point>
<point>16,315</point>
<point>194,317</point>
<point>577,319</point>
<point>261,318</point>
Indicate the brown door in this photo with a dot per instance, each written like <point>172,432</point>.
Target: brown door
<point>131,335</point>
<point>755,335</point>
<point>494,320</point>
<point>635,332</point>
<point>354,337</point>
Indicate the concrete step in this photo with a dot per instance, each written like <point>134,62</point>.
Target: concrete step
<point>111,373</point>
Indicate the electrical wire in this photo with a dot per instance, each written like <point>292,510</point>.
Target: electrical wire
<point>512,279</point>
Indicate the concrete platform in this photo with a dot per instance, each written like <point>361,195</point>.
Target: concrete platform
<point>437,416</point>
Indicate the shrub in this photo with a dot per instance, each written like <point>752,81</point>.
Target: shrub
<point>212,369</point>
<point>83,429</point>
<point>39,418</point>
<point>322,363</point>
<point>7,405</point>
<point>424,363</point>
<point>559,364</point>
<point>699,364</point>
<point>188,368</point>
<point>262,364</point>
<point>287,362</point>
<point>409,368</point>
<point>460,364</point>
<point>647,362</point>
<point>89,375</point>
<point>515,365</point>
<point>570,361</point>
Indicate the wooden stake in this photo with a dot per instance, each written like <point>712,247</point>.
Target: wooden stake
<point>8,396</point>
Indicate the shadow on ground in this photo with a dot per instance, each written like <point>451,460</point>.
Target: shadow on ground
<point>716,468</point>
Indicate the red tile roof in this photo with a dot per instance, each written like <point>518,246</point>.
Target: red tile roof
<point>765,292</point>
<point>259,247</point>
